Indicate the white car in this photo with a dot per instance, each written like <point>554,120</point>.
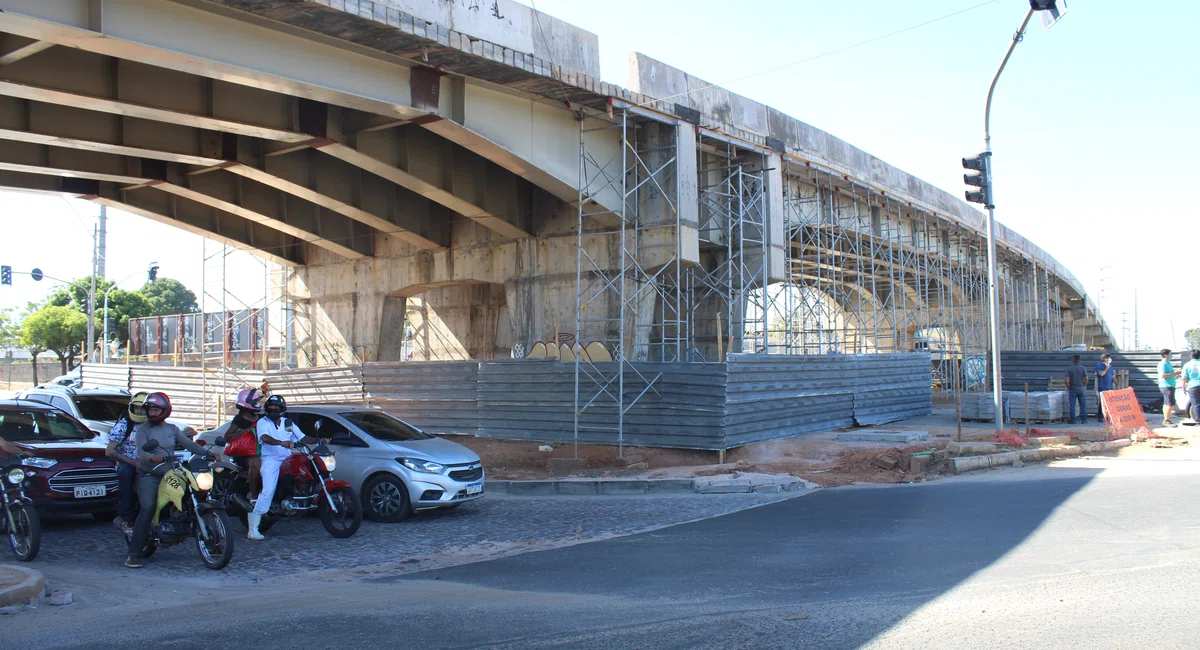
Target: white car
<point>97,408</point>
<point>396,468</point>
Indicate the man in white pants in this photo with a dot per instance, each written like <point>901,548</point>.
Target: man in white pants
<point>276,437</point>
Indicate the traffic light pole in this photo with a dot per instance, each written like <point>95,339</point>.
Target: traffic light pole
<point>993,288</point>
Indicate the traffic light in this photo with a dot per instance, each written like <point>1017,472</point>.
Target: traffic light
<point>981,164</point>
<point>153,272</point>
<point>6,275</point>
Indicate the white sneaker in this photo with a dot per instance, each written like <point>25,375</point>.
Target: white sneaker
<point>252,521</point>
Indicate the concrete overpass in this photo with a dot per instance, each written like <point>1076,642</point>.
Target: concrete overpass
<point>461,163</point>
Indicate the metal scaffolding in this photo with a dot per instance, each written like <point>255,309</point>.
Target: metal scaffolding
<point>864,272</point>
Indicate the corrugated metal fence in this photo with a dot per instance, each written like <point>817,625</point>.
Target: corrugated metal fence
<point>776,396</point>
<point>1037,368</point>
<point>695,406</point>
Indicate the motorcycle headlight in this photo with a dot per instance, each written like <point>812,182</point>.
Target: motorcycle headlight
<point>426,466</point>
<point>44,463</point>
<point>204,481</point>
<point>16,475</point>
<point>330,462</point>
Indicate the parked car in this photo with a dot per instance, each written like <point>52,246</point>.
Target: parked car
<point>73,379</point>
<point>98,408</point>
<point>396,468</point>
<point>68,471</point>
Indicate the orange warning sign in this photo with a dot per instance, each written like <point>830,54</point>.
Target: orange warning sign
<point>1122,411</point>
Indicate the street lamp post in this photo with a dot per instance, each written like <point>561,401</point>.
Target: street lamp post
<point>983,164</point>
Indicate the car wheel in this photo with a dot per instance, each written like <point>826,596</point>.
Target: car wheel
<point>385,498</point>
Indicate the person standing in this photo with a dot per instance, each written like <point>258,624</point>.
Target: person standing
<point>1191,382</point>
<point>1104,381</point>
<point>1077,381</point>
<point>1166,385</point>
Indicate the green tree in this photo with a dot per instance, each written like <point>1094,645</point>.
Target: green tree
<point>10,329</point>
<point>1193,337</point>
<point>122,306</point>
<point>75,295</point>
<point>167,296</point>
<point>58,329</point>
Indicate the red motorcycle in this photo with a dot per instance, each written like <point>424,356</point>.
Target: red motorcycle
<point>306,484</point>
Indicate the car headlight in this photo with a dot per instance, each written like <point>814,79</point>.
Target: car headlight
<point>16,475</point>
<point>418,465</point>
<point>44,463</point>
<point>204,481</point>
<point>330,462</point>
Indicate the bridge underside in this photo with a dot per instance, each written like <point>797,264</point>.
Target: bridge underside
<point>461,216</point>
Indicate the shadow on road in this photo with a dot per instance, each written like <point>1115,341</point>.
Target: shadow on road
<point>862,557</point>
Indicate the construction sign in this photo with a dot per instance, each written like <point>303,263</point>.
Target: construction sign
<point>1123,412</point>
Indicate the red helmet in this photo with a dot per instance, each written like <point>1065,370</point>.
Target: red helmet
<point>250,400</point>
<point>158,407</point>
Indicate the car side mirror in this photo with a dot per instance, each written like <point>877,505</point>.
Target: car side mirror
<point>220,441</point>
<point>150,446</point>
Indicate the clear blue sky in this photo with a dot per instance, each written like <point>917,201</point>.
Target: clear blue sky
<point>1092,127</point>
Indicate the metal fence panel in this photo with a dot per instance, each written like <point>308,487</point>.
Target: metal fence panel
<point>437,396</point>
<point>327,385</point>
<point>1036,369</point>
<point>104,375</point>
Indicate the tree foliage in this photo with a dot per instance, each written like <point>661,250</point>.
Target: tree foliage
<point>10,329</point>
<point>167,297</point>
<point>1193,337</point>
<point>58,329</point>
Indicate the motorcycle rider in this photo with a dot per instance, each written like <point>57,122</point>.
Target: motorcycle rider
<point>245,452</point>
<point>122,447</point>
<point>149,471</point>
<point>277,436</point>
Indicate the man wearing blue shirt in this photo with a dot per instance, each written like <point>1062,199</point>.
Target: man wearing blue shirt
<point>1104,381</point>
<point>1191,382</point>
<point>1166,385</point>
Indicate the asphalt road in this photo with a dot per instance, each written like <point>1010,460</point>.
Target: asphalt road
<point>1093,554</point>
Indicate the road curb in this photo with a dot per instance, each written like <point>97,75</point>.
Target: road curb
<point>22,584</point>
<point>591,487</point>
<point>986,461</point>
<point>626,486</point>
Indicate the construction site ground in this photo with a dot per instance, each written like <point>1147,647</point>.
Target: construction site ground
<point>817,457</point>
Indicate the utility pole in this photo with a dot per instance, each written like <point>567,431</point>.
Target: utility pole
<point>1137,340</point>
<point>89,353</point>
<point>102,256</point>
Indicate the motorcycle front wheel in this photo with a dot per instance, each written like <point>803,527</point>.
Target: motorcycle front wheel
<point>24,532</point>
<point>217,550</point>
<point>347,519</point>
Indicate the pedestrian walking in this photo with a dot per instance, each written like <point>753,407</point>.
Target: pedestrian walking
<point>1104,381</point>
<point>1191,382</point>
<point>1166,385</point>
<point>1077,381</point>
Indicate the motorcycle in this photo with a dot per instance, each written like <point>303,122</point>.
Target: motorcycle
<point>18,520</point>
<point>184,510</point>
<point>305,484</point>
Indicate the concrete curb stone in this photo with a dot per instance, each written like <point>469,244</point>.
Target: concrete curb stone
<point>626,486</point>
<point>970,463</point>
<point>19,585</point>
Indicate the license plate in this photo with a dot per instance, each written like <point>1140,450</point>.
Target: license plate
<point>85,491</point>
<point>474,488</point>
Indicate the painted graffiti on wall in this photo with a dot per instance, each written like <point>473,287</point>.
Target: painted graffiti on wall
<point>567,349</point>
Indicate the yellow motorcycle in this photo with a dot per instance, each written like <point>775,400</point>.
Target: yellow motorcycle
<point>184,510</point>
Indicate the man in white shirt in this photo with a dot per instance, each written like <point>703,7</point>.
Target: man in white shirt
<point>277,436</point>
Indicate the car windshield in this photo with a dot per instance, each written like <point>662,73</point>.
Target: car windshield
<point>40,426</point>
<point>103,409</point>
<point>382,426</point>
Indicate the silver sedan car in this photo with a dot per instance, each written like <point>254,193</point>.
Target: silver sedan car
<point>395,467</point>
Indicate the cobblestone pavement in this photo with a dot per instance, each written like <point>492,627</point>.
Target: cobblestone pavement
<point>301,549</point>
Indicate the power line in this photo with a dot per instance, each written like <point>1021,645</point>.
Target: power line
<point>825,54</point>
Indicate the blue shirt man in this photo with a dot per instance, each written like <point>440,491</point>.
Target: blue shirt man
<point>1104,373</point>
